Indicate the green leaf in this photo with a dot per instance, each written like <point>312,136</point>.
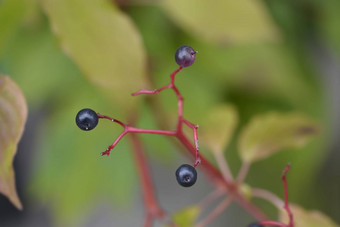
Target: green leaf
<point>218,127</point>
<point>103,42</point>
<point>73,177</point>
<point>11,15</point>
<point>187,217</point>
<point>222,21</point>
<point>304,218</point>
<point>330,22</point>
<point>271,132</point>
<point>13,114</point>
<point>39,67</point>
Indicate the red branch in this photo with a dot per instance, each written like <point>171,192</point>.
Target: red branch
<point>214,175</point>
<point>153,210</point>
<point>128,129</point>
<point>181,119</point>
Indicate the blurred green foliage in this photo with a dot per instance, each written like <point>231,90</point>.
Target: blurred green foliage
<point>76,54</point>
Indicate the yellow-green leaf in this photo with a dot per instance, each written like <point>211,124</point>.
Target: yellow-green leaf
<point>304,218</point>
<point>222,21</point>
<point>187,216</point>
<point>271,132</point>
<point>218,127</point>
<point>103,42</point>
<point>13,114</point>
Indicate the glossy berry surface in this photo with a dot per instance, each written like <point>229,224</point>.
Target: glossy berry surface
<point>186,175</point>
<point>87,119</point>
<point>185,56</point>
<point>255,225</point>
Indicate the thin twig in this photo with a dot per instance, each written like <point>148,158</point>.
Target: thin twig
<point>286,205</point>
<point>269,196</point>
<point>210,198</point>
<point>223,165</point>
<point>243,172</point>
<point>181,120</point>
<point>216,212</point>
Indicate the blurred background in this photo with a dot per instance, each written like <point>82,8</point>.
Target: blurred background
<point>258,56</point>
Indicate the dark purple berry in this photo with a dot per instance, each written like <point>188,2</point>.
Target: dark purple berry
<point>255,225</point>
<point>185,56</point>
<point>186,175</point>
<point>87,119</point>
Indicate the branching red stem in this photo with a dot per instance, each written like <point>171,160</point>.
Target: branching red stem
<point>181,119</point>
<point>214,175</point>
<point>129,129</point>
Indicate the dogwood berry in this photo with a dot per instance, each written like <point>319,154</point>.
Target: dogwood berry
<point>87,119</point>
<point>185,56</point>
<point>186,175</point>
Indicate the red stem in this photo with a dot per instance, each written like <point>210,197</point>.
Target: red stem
<point>151,131</point>
<point>286,206</point>
<point>210,170</point>
<point>150,202</point>
<point>181,120</point>
<point>194,129</point>
<point>148,221</point>
<point>145,177</point>
<point>111,119</point>
<point>214,174</point>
